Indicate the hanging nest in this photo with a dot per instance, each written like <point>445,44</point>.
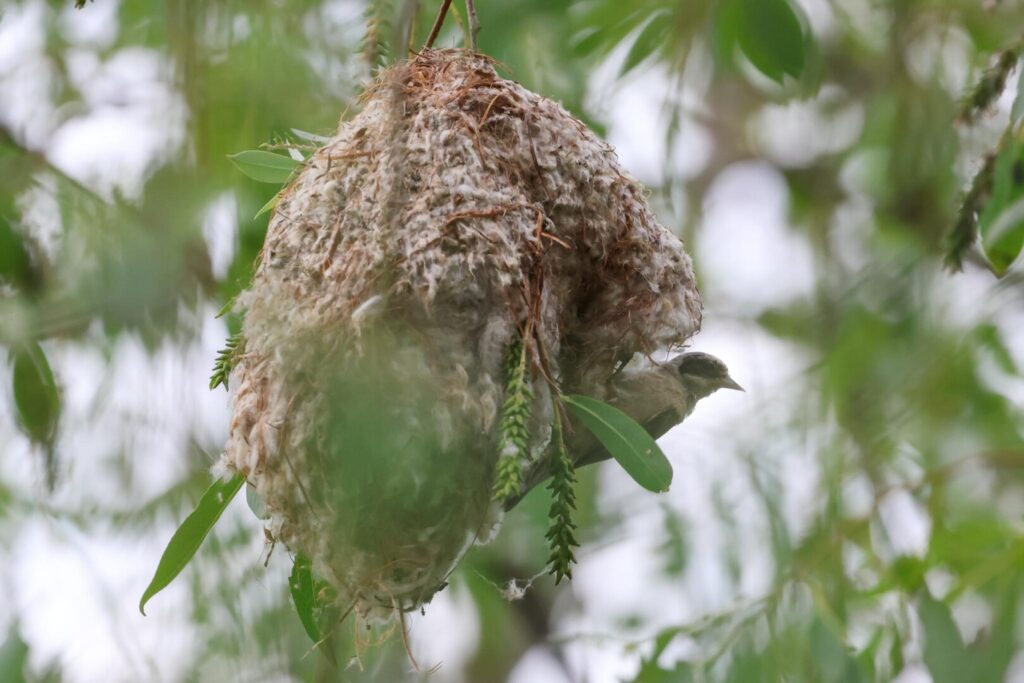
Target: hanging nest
<point>456,216</point>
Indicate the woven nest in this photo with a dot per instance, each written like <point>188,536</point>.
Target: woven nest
<point>456,214</point>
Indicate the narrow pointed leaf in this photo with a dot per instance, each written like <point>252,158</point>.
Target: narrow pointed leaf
<point>266,167</point>
<point>36,397</point>
<point>1003,238</point>
<point>650,39</point>
<point>627,441</point>
<point>1001,222</point>
<point>13,656</point>
<point>1017,111</point>
<point>300,583</point>
<point>15,262</point>
<point>770,35</point>
<point>255,502</point>
<point>310,137</point>
<point>269,206</point>
<point>190,535</point>
<point>944,651</point>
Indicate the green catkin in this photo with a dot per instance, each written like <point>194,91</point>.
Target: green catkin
<point>561,529</point>
<point>375,48</point>
<point>226,360</point>
<point>514,433</point>
<point>990,86</point>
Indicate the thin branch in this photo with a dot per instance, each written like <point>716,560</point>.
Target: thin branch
<point>438,23</point>
<point>474,24</point>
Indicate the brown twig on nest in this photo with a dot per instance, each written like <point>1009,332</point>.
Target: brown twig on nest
<point>556,240</point>
<point>487,111</point>
<point>438,23</point>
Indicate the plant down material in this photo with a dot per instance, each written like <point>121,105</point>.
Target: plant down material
<point>456,213</point>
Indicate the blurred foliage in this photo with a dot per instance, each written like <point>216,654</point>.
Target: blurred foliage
<point>908,400</point>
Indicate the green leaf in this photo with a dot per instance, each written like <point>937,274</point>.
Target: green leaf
<point>15,263</point>
<point>269,206</point>
<point>989,337</point>
<point>627,441</point>
<point>1004,237</point>
<point>648,41</point>
<point>1017,111</point>
<point>266,167</point>
<point>830,656</point>
<point>190,535</point>
<point>310,137</point>
<point>944,652</point>
<point>13,656</point>
<point>770,35</point>
<point>650,672</point>
<point>908,572</point>
<point>255,502</point>
<point>300,583</point>
<point>1001,222</point>
<point>36,397</point>
<point>896,662</point>
<point>995,648</point>
<point>606,24</point>
<point>866,658</point>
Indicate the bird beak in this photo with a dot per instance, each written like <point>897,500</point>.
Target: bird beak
<point>730,383</point>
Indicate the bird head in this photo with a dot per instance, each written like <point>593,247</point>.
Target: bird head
<point>656,395</point>
<point>703,374</point>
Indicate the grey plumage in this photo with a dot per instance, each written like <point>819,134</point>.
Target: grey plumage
<point>658,396</point>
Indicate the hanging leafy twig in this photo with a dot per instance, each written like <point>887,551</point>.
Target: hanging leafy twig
<point>561,529</point>
<point>514,431</point>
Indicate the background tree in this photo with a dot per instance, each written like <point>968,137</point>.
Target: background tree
<point>855,516</point>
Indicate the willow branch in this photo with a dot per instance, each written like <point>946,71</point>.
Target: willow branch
<point>438,23</point>
<point>474,24</point>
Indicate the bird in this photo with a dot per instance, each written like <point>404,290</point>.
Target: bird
<point>657,395</point>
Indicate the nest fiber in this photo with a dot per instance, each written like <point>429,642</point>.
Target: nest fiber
<point>456,214</point>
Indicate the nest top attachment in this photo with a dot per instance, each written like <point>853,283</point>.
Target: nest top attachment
<point>456,213</point>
